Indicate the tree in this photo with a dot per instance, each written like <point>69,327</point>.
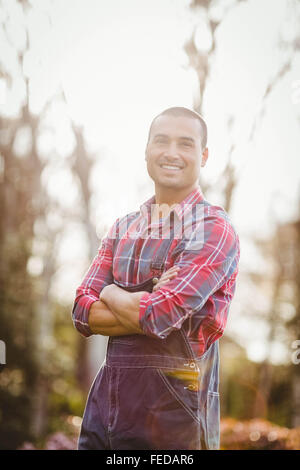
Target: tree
<point>27,272</point>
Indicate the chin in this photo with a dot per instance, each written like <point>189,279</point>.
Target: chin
<point>171,185</point>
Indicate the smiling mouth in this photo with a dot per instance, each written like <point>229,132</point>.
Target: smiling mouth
<point>171,167</point>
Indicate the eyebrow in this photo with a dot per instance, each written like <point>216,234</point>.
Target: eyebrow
<point>183,137</point>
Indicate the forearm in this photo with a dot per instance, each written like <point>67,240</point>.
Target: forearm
<point>124,305</point>
<point>102,321</point>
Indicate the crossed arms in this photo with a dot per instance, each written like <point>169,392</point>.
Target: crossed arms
<point>117,311</point>
<point>204,286</point>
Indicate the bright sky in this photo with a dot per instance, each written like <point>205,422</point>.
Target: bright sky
<point>120,63</point>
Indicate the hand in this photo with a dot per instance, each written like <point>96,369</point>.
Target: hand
<point>166,277</point>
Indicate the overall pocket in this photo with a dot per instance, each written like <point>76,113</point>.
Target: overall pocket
<point>183,386</point>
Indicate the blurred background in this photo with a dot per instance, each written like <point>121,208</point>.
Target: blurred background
<point>80,81</point>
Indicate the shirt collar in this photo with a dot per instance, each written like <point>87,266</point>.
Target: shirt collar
<point>181,208</point>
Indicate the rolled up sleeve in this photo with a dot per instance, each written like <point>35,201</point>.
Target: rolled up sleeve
<point>203,272</point>
<point>96,278</point>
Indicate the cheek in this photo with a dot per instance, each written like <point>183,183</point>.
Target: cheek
<point>150,166</point>
<point>151,161</point>
<point>194,167</point>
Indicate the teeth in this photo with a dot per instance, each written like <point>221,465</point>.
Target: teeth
<point>170,167</point>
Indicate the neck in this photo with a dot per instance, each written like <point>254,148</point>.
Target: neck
<point>172,196</point>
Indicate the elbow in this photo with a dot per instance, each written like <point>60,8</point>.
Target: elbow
<point>148,324</point>
<point>79,321</point>
<point>216,324</point>
<point>159,326</point>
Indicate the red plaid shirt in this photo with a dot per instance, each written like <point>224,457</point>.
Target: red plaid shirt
<point>198,298</point>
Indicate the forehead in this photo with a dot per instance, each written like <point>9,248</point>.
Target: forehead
<point>176,126</point>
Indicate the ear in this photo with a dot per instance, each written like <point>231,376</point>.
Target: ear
<point>204,156</point>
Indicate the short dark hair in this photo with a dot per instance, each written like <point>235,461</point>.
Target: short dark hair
<point>178,111</point>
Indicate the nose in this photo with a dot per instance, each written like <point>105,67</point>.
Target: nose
<point>171,150</point>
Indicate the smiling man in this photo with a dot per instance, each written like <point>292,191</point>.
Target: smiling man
<point>160,287</point>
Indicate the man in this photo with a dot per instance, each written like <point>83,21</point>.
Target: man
<point>160,287</point>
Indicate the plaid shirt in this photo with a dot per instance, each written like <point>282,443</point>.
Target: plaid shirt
<point>198,298</point>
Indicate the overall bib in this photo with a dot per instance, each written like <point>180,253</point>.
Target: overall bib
<point>153,393</point>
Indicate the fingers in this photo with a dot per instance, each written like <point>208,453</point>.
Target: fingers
<point>173,268</point>
<point>170,272</point>
<point>166,277</point>
<point>161,283</point>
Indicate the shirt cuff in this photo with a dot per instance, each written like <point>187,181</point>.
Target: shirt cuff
<point>81,316</point>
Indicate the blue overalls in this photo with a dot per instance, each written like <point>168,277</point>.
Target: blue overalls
<point>153,393</point>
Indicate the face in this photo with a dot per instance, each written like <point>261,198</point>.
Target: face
<point>173,153</point>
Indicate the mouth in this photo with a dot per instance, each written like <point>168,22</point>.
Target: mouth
<point>171,167</point>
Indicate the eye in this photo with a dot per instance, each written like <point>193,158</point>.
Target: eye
<point>186,144</point>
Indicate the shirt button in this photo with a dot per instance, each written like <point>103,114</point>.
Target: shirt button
<point>155,280</point>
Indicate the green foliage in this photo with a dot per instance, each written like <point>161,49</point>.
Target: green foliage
<point>20,377</point>
<point>17,331</point>
<point>237,384</point>
<point>65,396</point>
<point>280,400</point>
<point>240,390</point>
